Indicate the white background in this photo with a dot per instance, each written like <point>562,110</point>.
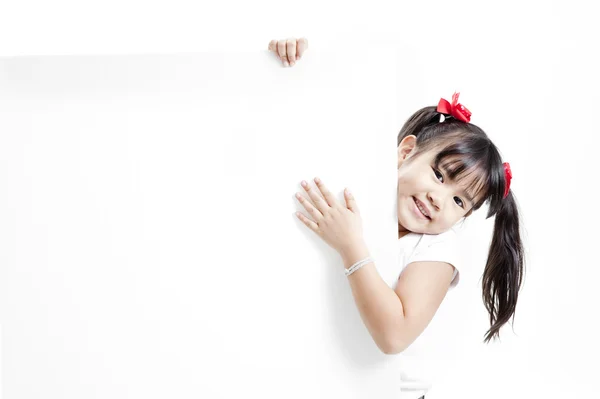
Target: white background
<point>528,72</point>
<point>151,247</point>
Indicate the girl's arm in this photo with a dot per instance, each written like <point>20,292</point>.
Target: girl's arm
<point>422,287</point>
<point>395,318</point>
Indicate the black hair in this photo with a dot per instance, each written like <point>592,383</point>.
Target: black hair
<point>464,150</point>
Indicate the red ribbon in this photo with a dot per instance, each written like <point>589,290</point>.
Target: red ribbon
<point>458,111</point>
<point>508,177</point>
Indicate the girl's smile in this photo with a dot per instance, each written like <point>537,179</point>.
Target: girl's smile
<point>417,211</point>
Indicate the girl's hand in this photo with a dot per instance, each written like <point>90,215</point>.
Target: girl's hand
<point>289,50</point>
<point>338,225</point>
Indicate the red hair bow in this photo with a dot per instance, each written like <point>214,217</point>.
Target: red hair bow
<point>508,177</point>
<point>458,111</point>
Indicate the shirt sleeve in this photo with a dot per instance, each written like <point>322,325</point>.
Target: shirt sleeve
<point>443,247</point>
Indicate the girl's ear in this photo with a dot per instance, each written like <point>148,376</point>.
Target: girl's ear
<point>406,147</point>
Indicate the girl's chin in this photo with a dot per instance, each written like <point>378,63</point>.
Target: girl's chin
<point>411,225</point>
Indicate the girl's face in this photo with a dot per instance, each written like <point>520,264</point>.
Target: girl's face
<point>445,202</point>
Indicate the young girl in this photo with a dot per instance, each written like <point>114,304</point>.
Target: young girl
<point>447,168</point>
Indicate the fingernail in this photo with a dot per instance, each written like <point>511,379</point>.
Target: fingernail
<point>292,63</point>
<point>285,63</point>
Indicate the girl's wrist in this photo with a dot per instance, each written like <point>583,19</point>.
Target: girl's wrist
<point>354,253</point>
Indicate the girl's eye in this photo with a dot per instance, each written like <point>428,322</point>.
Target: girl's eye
<point>461,204</point>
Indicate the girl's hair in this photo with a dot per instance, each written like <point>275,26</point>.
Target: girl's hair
<point>465,151</point>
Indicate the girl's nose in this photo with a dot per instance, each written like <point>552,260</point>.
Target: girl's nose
<point>434,200</point>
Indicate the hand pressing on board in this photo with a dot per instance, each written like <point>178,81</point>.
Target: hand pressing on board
<point>290,50</point>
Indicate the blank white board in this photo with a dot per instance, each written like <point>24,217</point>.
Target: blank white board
<point>150,247</point>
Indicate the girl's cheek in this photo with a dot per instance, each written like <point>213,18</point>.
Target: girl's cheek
<point>403,180</point>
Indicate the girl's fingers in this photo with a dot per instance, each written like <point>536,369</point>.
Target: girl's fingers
<point>311,225</point>
<point>319,202</point>
<point>273,46</point>
<point>331,201</point>
<point>309,207</point>
<point>301,47</point>
<point>281,48</point>
<point>291,50</point>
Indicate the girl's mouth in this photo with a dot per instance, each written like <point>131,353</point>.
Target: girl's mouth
<point>418,212</point>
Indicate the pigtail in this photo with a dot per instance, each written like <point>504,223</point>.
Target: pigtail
<point>503,273</point>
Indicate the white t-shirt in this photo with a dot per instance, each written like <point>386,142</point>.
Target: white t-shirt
<point>425,360</point>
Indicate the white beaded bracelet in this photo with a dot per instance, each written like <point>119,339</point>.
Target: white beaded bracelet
<point>357,266</point>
